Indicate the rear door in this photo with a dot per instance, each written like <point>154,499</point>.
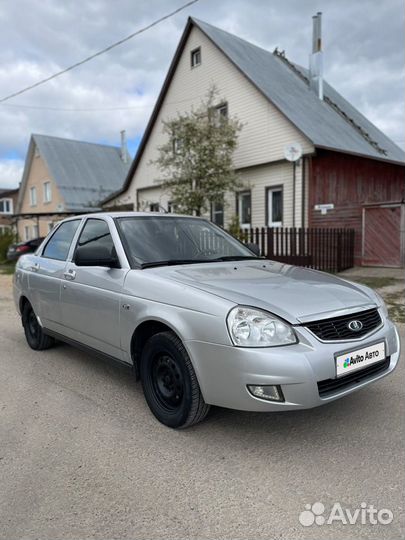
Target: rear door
<point>46,272</point>
<point>90,295</point>
<point>382,236</point>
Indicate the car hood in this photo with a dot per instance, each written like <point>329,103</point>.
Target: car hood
<point>294,293</point>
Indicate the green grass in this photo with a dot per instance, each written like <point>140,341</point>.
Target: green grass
<point>7,268</point>
<point>396,306</point>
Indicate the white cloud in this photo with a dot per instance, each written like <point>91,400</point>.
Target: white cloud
<point>10,173</point>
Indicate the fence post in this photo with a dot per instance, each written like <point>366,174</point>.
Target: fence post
<point>339,251</point>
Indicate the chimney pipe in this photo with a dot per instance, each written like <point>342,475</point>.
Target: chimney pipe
<point>124,149</point>
<point>316,58</point>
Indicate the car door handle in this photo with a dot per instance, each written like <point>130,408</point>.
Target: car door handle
<point>35,267</point>
<point>70,275</point>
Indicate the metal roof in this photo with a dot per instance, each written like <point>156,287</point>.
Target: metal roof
<point>332,123</point>
<point>85,173</point>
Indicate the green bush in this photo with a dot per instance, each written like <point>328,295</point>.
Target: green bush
<point>234,228</point>
<point>5,240</point>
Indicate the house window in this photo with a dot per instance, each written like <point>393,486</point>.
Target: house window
<point>274,207</point>
<point>154,207</point>
<point>222,110</point>
<point>47,192</point>
<point>196,57</point>
<point>177,146</point>
<point>244,204</point>
<point>26,233</point>
<point>217,214</point>
<point>35,231</point>
<point>6,206</point>
<point>33,196</point>
<point>171,207</point>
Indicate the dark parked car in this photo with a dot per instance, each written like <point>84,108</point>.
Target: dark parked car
<point>15,250</point>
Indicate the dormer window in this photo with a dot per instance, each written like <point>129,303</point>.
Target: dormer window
<point>196,57</point>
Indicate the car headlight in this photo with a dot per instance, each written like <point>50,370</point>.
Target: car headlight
<point>249,327</point>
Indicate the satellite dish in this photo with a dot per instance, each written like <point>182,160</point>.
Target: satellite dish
<point>293,151</point>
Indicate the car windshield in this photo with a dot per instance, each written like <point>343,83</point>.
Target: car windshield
<point>154,240</point>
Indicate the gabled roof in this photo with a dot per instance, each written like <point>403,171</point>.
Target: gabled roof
<point>85,173</point>
<point>331,124</point>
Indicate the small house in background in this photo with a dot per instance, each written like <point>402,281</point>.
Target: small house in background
<point>8,203</point>
<point>348,175</point>
<point>63,177</point>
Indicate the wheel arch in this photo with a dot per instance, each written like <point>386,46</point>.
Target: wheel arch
<point>145,330</point>
<point>23,300</point>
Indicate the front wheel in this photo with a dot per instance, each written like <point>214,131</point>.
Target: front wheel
<point>34,334</point>
<point>169,382</point>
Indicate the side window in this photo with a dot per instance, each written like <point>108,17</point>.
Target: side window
<point>59,244</point>
<point>96,233</point>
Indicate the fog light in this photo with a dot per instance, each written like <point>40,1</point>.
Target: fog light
<point>269,392</point>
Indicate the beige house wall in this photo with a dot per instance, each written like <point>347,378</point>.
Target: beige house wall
<point>37,176</point>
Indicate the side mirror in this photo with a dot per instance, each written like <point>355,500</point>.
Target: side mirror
<point>253,247</point>
<point>96,256</point>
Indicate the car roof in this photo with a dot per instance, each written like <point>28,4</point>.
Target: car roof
<point>131,214</point>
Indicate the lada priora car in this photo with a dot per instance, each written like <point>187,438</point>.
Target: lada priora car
<point>201,317</point>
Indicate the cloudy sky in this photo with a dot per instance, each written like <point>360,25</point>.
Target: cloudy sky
<point>363,42</point>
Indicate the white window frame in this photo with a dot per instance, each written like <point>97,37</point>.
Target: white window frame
<point>195,57</point>
<point>7,202</point>
<point>33,196</point>
<point>270,193</point>
<point>35,231</point>
<point>26,233</point>
<point>240,195</point>
<point>47,192</point>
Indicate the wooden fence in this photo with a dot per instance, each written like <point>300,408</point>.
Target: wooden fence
<point>331,250</point>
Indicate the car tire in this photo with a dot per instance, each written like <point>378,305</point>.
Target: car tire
<point>169,382</point>
<point>34,334</point>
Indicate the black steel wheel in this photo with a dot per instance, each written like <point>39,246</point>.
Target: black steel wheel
<point>169,382</point>
<point>34,334</point>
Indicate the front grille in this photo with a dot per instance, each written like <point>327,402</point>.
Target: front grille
<point>330,386</point>
<point>337,328</point>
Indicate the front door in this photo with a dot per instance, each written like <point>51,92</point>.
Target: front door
<point>90,296</point>
<point>382,235</point>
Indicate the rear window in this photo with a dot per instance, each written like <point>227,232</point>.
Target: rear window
<point>59,244</point>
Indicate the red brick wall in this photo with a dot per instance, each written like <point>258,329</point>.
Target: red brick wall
<point>349,182</point>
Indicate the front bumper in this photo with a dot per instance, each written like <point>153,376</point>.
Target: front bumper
<point>225,371</point>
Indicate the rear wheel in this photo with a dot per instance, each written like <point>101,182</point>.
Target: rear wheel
<point>34,334</point>
<point>169,382</point>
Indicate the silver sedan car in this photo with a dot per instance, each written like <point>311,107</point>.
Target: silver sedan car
<point>201,317</point>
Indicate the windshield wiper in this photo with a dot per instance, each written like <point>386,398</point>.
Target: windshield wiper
<point>236,258</point>
<point>171,262</point>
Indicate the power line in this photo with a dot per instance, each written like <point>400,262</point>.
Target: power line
<point>99,53</point>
